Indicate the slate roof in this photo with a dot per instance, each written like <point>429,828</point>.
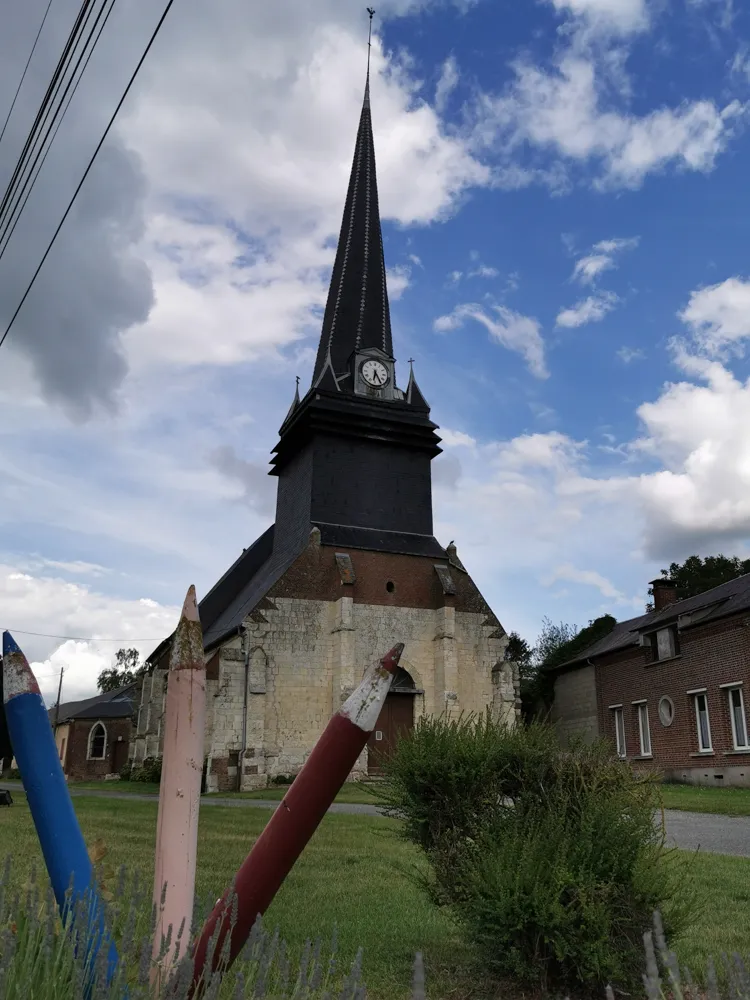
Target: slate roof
<point>727,599</point>
<point>357,315</point>
<point>117,704</point>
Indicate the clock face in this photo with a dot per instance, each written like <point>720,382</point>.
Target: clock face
<point>375,374</point>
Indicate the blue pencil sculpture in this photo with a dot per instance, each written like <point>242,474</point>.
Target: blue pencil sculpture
<point>51,808</point>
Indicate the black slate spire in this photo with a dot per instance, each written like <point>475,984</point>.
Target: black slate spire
<point>357,314</point>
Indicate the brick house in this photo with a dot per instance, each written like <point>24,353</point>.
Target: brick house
<point>351,564</point>
<point>669,688</point>
<point>93,736</point>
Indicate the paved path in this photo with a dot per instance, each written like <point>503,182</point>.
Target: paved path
<point>687,830</point>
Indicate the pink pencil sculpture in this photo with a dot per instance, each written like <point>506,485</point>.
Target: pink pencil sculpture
<point>294,822</point>
<point>180,790</point>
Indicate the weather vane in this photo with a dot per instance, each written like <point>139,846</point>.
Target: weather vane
<point>371,12</point>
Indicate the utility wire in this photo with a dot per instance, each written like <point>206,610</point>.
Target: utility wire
<point>88,169</point>
<point>50,116</point>
<point>7,234</point>
<point>25,70</point>
<point>77,638</point>
<point>45,103</point>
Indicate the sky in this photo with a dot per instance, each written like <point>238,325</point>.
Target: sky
<point>566,220</point>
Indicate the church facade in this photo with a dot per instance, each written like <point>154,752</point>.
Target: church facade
<point>350,565</point>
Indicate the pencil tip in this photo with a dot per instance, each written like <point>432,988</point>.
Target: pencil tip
<point>190,606</point>
<point>9,644</point>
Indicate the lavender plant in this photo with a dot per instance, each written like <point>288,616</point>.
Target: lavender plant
<point>38,958</point>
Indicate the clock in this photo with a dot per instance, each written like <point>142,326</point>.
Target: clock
<point>374,373</point>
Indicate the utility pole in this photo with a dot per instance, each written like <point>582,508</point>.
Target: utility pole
<point>59,693</point>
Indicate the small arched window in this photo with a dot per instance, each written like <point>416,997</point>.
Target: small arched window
<point>97,742</point>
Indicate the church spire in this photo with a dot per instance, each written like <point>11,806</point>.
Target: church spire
<point>357,316</point>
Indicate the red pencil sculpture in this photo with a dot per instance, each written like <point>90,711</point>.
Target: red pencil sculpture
<point>296,819</point>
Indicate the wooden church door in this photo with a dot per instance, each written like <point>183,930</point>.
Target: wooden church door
<point>396,718</point>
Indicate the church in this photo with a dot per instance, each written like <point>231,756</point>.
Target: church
<point>350,566</point>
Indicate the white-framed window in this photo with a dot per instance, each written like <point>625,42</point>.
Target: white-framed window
<point>702,721</point>
<point>737,715</point>
<point>619,720</point>
<point>643,727</point>
<point>97,742</point>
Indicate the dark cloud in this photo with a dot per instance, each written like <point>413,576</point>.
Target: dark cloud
<point>259,487</point>
<point>93,285</point>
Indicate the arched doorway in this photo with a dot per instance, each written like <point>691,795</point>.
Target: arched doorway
<point>395,719</point>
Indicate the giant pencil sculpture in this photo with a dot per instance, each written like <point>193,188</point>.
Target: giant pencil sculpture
<point>180,791</point>
<point>51,808</point>
<point>296,819</point>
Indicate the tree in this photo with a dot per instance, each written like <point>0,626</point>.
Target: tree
<point>126,670</point>
<point>520,652</point>
<point>696,575</point>
<point>557,644</point>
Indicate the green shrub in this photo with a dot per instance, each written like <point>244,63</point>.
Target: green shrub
<point>126,771</point>
<point>549,859</point>
<point>149,770</point>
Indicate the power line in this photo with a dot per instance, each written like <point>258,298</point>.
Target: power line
<point>16,211</point>
<point>88,169</point>
<point>23,75</point>
<point>77,638</point>
<point>46,100</point>
<point>51,122</point>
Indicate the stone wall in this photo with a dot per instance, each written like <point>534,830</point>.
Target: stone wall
<point>307,644</point>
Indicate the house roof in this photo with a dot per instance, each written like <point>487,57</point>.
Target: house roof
<point>117,704</point>
<point>727,599</point>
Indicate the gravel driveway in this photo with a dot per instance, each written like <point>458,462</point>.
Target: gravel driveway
<point>689,831</point>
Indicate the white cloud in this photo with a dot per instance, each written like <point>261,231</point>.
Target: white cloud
<point>589,310</point>
<point>247,183</point>
<point>601,258</point>
<point>456,439</point>
<point>622,17</point>
<point>740,65</point>
<point>399,279</point>
<point>42,603</point>
<point>512,330</point>
<point>447,83</point>
<point>564,113</point>
<point>718,316</point>
<point>588,578</point>
<point>483,271</point>
<point>628,354</point>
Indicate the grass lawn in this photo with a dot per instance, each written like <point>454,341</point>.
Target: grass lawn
<point>691,798</point>
<point>355,873</point>
<point>723,801</point>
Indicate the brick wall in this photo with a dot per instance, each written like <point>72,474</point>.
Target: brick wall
<point>77,765</point>
<point>709,656</point>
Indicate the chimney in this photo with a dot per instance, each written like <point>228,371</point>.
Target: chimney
<point>665,593</point>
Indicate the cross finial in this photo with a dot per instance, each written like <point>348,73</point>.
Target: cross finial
<point>297,378</point>
<point>411,364</point>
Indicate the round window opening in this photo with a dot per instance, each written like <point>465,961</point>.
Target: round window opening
<point>666,711</point>
<point>390,586</point>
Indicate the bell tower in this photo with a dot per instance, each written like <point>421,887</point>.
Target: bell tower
<point>353,456</point>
